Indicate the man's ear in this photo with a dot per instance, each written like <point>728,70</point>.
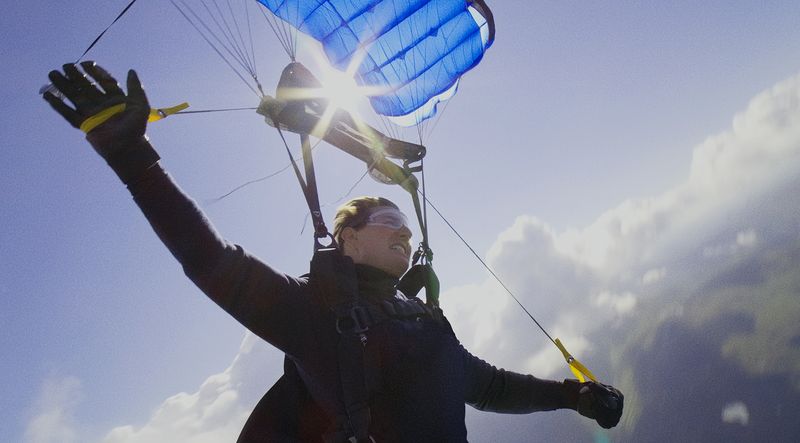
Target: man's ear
<point>348,233</point>
<point>349,238</point>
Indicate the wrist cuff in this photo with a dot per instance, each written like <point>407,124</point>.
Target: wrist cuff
<point>572,389</point>
<point>132,158</point>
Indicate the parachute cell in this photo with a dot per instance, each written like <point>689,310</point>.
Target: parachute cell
<point>412,51</point>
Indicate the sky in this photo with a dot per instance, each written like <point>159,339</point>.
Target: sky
<point>629,169</point>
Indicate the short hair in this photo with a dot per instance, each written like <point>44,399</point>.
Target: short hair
<point>354,213</point>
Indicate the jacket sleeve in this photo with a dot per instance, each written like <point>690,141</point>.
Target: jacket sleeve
<point>265,301</point>
<point>497,390</point>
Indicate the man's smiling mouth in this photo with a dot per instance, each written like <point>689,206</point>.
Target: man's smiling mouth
<point>400,247</point>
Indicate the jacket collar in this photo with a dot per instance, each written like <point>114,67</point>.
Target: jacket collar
<point>375,283</point>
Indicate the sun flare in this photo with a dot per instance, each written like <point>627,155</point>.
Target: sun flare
<point>341,89</point>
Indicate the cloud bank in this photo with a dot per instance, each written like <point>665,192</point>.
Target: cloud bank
<point>53,417</point>
<point>584,283</point>
<point>217,411</point>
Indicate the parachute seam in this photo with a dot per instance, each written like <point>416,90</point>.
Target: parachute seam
<point>439,59</point>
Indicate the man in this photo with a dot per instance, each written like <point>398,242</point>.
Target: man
<point>364,362</point>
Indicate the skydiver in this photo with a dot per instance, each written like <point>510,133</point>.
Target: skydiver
<point>387,368</point>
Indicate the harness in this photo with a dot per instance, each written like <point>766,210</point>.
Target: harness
<point>287,412</point>
<point>333,280</point>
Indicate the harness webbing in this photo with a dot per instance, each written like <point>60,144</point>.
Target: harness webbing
<point>333,280</point>
<point>308,186</point>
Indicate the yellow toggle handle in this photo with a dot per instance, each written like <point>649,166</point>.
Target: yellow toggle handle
<point>155,115</point>
<point>158,114</point>
<point>578,369</point>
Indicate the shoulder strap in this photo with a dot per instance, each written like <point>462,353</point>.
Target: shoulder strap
<point>333,280</point>
<point>421,275</point>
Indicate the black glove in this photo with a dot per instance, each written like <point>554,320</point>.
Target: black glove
<point>602,403</point>
<point>120,140</point>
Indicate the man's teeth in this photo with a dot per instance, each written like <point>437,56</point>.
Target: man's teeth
<point>399,248</point>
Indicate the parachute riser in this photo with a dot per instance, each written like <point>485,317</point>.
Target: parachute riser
<point>294,110</point>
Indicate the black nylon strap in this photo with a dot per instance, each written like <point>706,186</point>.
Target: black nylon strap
<point>333,277</point>
<point>424,253</point>
<point>308,186</point>
<point>312,194</point>
<point>350,355</point>
<point>97,39</point>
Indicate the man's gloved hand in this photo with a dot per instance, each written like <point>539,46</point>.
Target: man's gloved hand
<point>120,139</point>
<point>597,401</point>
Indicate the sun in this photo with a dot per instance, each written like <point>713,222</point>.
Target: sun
<point>341,89</point>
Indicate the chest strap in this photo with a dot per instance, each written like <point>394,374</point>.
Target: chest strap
<point>357,319</point>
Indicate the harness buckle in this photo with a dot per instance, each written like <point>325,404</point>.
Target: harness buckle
<point>356,321</point>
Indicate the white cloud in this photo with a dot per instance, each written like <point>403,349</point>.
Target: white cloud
<point>736,413</point>
<point>620,303</point>
<point>581,281</point>
<point>761,146</point>
<point>653,276</point>
<point>744,240</point>
<point>747,238</point>
<point>548,361</point>
<point>217,410</point>
<point>53,416</point>
<point>482,306</point>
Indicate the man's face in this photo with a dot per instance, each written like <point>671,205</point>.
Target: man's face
<point>380,246</point>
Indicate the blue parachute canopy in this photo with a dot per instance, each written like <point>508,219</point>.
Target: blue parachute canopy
<point>414,50</point>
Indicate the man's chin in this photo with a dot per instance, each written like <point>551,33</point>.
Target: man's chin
<point>398,270</point>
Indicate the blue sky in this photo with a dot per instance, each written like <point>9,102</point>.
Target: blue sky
<point>591,144</point>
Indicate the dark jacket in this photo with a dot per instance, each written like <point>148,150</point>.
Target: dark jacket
<point>418,376</point>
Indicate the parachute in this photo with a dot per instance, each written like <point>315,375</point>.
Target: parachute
<point>412,51</point>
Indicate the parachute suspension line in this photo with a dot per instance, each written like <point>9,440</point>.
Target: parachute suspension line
<point>390,129</point>
<point>227,33</point>
<point>196,24</point>
<point>257,180</point>
<point>464,241</point>
<point>49,86</point>
<point>438,116</point>
<point>420,129</point>
<point>248,183</point>
<point>252,46</point>
<point>580,371</point>
<point>97,39</point>
<point>204,111</point>
<point>286,36</point>
<point>350,190</point>
<point>245,52</point>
